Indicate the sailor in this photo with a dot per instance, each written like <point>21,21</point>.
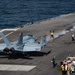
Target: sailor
<point>54,62</point>
<point>68,67</point>
<point>62,69</point>
<point>72,36</point>
<point>52,33</point>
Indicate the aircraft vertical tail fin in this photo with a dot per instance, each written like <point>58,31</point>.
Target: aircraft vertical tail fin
<point>5,39</point>
<point>20,40</point>
<point>43,41</point>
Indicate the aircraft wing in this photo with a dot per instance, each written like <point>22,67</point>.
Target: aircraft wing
<point>32,47</point>
<point>29,47</point>
<point>29,38</point>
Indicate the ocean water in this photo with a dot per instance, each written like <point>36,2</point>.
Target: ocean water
<point>14,13</point>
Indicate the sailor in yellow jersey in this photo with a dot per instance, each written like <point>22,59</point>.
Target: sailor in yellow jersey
<point>68,69</point>
<point>64,69</point>
<point>52,33</point>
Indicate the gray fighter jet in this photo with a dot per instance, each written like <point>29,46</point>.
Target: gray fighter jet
<point>23,44</point>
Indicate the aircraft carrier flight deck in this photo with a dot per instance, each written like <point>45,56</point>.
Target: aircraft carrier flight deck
<point>39,63</point>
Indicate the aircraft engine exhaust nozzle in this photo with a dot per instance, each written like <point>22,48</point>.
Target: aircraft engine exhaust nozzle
<point>6,50</point>
<point>9,51</point>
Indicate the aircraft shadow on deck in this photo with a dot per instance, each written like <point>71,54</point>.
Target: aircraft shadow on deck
<point>15,56</point>
<point>28,55</point>
<point>38,53</point>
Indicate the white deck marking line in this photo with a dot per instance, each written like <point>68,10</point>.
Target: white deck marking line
<point>4,67</point>
<point>9,29</point>
<point>9,33</point>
